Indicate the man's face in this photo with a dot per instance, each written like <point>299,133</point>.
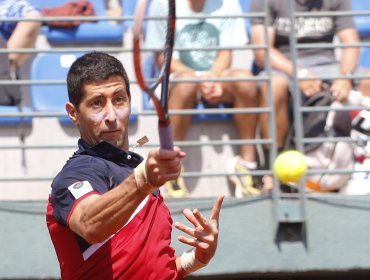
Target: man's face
<point>103,113</point>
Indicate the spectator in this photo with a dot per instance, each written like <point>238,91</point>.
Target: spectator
<point>10,94</point>
<point>105,215</point>
<point>208,65</point>
<point>19,35</point>
<point>311,62</point>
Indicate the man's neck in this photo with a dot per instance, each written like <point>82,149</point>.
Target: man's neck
<point>197,5</point>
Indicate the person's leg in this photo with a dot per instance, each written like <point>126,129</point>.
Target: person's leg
<point>243,94</point>
<point>280,98</point>
<point>182,96</point>
<point>23,36</point>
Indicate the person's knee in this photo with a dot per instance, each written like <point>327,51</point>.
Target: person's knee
<point>184,92</point>
<point>279,87</point>
<point>242,84</point>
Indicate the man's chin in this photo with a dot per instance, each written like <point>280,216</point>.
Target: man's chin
<point>113,142</point>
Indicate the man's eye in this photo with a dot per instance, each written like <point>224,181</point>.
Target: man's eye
<point>120,99</point>
<point>97,103</point>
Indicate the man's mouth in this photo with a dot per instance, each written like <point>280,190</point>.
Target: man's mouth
<point>110,133</point>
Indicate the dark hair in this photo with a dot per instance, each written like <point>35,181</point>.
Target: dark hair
<point>91,67</point>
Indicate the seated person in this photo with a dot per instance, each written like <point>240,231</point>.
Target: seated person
<point>208,65</point>
<point>311,62</point>
<point>10,93</point>
<point>19,35</point>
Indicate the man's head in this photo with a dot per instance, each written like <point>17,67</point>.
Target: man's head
<point>99,99</point>
<point>92,67</point>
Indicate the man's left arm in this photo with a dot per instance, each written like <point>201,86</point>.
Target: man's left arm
<point>203,238</point>
<point>348,63</point>
<point>222,62</point>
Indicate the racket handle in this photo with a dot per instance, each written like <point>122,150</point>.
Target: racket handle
<point>165,135</point>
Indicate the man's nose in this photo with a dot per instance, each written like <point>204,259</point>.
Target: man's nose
<point>110,115</point>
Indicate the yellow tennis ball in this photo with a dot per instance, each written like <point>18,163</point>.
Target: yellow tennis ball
<point>290,166</point>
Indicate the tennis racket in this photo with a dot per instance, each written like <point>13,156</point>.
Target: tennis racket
<point>161,105</point>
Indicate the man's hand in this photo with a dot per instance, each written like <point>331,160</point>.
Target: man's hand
<point>204,234</point>
<point>160,166</point>
<point>210,91</point>
<point>310,87</point>
<point>163,165</point>
<point>341,89</point>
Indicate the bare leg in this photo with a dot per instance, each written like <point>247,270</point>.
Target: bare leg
<point>183,96</point>
<point>280,99</point>
<point>280,95</point>
<point>243,95</point>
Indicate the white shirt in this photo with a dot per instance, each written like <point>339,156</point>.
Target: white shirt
<point>198,32</point>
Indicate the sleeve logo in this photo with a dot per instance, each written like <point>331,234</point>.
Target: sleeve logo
<point>79,189</point>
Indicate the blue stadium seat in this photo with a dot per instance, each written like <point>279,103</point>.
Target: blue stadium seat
<point>151,71</point>
<point>14,121</point>
<point>128,7</point>
<point>365,57</point>
<point>362,22</point>
<point>86,32</point>
<point>53,97</point>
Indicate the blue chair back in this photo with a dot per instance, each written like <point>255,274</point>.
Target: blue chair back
<point>362,22</point>
<point>51,97</point>
<point>53,67</point>
<point>128,7</point>
<point>364,60</point>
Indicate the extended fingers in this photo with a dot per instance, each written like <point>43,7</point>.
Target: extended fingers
<point>215,214</point>
<point>197,236</point>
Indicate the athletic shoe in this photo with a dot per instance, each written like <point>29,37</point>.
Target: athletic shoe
<point>244,185</point>
<point>176,188</point>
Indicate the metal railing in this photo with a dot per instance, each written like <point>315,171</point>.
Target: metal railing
<point>143,113</point>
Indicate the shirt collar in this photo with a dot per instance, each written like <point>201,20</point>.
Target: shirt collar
<point>109,152</point>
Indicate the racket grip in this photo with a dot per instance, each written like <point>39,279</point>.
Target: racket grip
<point>165,135</point>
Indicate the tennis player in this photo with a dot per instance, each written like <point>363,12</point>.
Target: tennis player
<point>106,216</point>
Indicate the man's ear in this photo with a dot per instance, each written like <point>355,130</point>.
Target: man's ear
<point>72,112</point>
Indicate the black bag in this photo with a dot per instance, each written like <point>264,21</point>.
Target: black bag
<point>10,95</point>
<point>326,155</point>
<point>314,122</point>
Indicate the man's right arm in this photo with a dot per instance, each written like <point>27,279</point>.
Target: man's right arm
<point>97,217</point>
<point>278,60</point>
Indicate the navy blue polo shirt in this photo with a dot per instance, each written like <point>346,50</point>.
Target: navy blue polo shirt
<point>103,166</point>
